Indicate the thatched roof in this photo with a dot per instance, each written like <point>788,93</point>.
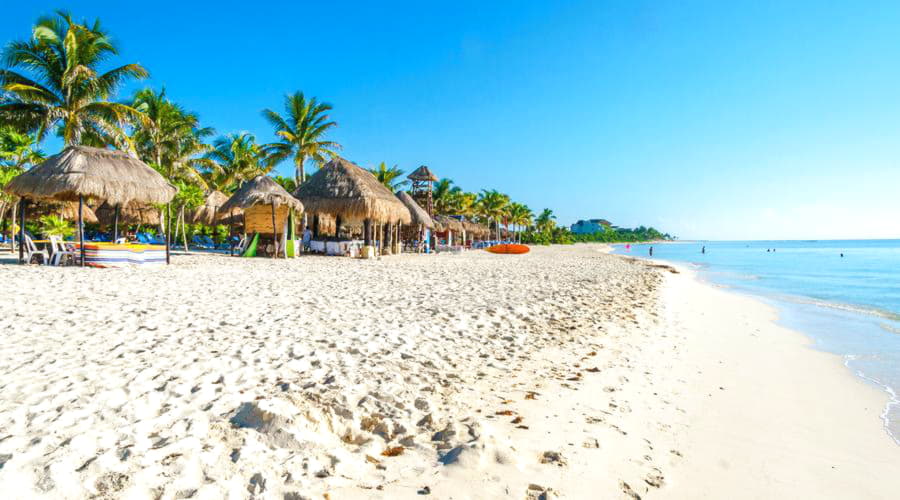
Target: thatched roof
<point>132,213</point>
<point>419,215</point>
<point>262,190</point>
<point>212,206</point>
<point>446,222</point>
<point>475,229</point>
<point>422,173</point>
<point>341,188</point>
<point>103,174</point>
<point>67,210</point>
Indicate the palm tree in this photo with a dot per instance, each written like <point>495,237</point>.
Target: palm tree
<point>389,176</point>
<point>443,193</point>
<point>301,132</point>
<point>492,205</point>
<point>170,138</point>
<point>287,183</point>
<point>519,215</point>
<point>67,90</point>
<point>17,153</point>
<point>546,221</point>
<point>238,158</point>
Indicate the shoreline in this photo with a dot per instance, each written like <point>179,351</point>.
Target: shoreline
<point>782,303</point>
<point>777,413</point>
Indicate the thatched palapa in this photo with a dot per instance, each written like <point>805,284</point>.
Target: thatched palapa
<point>262,190</point>
<point>418,214</point>
<point>210,210</point>
<point>132,213</point>
<point>475,229</point>
<point>103,174</point>
<point>446,222</point>
<point>345,190</point>
<point>422,173</point>
<point>67,210</point>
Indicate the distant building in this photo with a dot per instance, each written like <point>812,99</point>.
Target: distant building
<point>590,226</point>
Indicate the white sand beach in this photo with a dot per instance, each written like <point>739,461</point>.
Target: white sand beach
<point>563,373</point>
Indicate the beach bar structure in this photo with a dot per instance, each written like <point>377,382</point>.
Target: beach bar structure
<point>267,211</point>
<point>352,195</point>
<point>81,173</point>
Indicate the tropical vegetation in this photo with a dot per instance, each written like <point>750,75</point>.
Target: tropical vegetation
<point>63,80</point>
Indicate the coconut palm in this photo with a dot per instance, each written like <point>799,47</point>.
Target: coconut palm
<point>287,183</point>
<point>66,88</point>
<point>301,133</point>
<point>443,195</point>
<point>492,205</point>
<point>170,138</point>
<point>546,221</point>
<point>391,178</point>
<point>17,153</point>
<point>519,215</point>
<point>238,158</point>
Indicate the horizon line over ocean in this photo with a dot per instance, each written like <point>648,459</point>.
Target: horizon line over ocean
<point>843,294</point>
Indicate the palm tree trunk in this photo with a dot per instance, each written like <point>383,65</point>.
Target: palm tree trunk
<point>300,174</point>
<point>184,231</point>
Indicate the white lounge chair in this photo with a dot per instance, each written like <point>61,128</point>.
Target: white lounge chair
<point>59,251</point>
<point>31,251</point>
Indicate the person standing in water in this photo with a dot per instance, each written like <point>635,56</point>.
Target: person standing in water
<point>651,252</point>
<point>703,250</point>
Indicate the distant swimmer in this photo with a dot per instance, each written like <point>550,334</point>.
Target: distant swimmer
<point>842,255</point>
<point>703,250</point>
<point>768,250</point>
<point>651,252</point>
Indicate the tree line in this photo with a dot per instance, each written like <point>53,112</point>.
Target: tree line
<point>57,82</point>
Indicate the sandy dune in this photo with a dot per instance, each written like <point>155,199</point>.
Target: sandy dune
<point>561,373</point>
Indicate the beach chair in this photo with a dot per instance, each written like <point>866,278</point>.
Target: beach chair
<point>60,252</point>
<point>31,252</point>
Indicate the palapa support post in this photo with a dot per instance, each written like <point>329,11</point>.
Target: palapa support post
<point>367,232</point>
<point>337,226</point>
<point>274,234</point>
<point>81,227</point>
<point>315,226</point>
<point>22,204</point>
<point>231,233</point>
<point>116,225</point>
<point>214,225</point>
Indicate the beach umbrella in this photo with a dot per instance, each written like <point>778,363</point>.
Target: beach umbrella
<point>345,190</point>
<point>82,172</point>
<point>208,213</point>
<point>259,192</point>
<point>67,210</point>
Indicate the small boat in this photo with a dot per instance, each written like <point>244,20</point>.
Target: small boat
<point>508,248</point>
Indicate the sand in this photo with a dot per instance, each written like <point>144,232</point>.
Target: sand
<point>564,373</point>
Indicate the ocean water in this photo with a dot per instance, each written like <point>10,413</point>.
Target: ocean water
<point>848,305</point>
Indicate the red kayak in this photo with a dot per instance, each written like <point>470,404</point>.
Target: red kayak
<point>509,248</point>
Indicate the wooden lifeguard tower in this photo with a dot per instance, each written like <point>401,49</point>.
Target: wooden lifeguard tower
<point>422,182</point>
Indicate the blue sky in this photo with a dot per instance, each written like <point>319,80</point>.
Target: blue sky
<point>718,120</point>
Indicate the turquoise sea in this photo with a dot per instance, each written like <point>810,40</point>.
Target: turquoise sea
<point>848,305</point>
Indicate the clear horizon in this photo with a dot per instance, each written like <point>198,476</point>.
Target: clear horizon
<point>709,121</point>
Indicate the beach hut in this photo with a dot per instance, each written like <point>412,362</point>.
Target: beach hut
<point>208,213</point>
<point>79,173</point>
<point>448,225</point>
<point>351,194</point>
<point>420,220</point>
<point>130,214</point>
<point>267,208</point>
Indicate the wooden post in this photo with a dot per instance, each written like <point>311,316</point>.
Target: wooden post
<point>116,224</point>
<point>315,228</point>
<point>81,227</point>
<point>231,232</point>
<point>21,231</point>
<point>367,232</point>
<point>214,225</point>
<point>274,233</point>
<point>167,231</point>
<point>337,227</point>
